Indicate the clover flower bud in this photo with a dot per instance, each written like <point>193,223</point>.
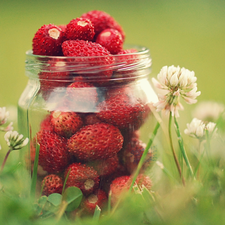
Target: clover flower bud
<point>15,140</point>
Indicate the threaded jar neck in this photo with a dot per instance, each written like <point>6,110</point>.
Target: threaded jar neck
<point>111,67</point>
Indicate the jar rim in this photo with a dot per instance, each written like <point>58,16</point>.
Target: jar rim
<point>120,66</point>
<point>141,50</point>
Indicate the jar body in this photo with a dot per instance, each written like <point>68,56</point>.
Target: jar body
<point>90,127</point>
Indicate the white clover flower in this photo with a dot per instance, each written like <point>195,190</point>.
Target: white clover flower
<point>209,111</point>
<point>173,83</point>
<point>15,140</point>
<point>3,115</point>
<point>197,128</point>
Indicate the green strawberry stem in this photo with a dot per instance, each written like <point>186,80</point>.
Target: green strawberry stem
<point>34,175</point>
<point>181,145</point>
<point>5,159</point>
<point>173,151</point>
<point>142,160</point>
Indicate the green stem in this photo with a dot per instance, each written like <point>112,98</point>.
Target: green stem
<point>5,159</point>
<point>181,145</point>
<point>208,148</point>
<point>173,151</point>
<point>142,160</point>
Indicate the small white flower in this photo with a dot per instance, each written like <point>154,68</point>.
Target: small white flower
<point>210,127</point>
<point>3,115</point>
<point>209,111</point>
<point>175,83</point>
<point>160,165</point>
<point>15,140</point>
<point>197,128</point>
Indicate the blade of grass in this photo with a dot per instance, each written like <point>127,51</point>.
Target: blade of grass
<point>97,213</point>
<point>142,160</point>
<point>34,175</point>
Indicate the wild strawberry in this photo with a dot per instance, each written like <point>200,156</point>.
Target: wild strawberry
<point>46,123</point>
<point>118,186</point>
<point>62,27</point>
<point>52,183</point>
<point>105,167</point>
<point>132,154</point>
<point>56,76</point>
<point>84,52</point>
<point>82,176</point>
<point>122,184</point>
<point>53,155</point>
<point>122,110</point>
<point>144,181</point>
<point>82,95</point>
<point>128,56</point>
<point>47,40</point>
<point>111,39</point>
<point>80,28</point>
<point>98,198</point>
<point>30,158</point>
<point>128,71</point>
<point>91,119</point>
<point>65,123</point>
<point>102,20</point>
<point>97,141</point>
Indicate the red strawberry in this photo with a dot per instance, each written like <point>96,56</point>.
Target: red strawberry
<point>80,28</point>
<point>111,39</point>
<point>82,95</point>
<point>65,123</point>
<point>97,68</point>
<point>57,75</point>
<point>46,123</point>
<point>53,155</point>
<point>144,181</point>
<point>122,110</point>
<point>105,167</point>
<point>52,183</point>
<point>82,176</point>
<point>98,198</point>
<point>29,160</point>
<point>118,186</point>
<point>122,184</point>
<point>132,154</point>
<point>47,40</point>
<point>91,119</point>
<point>97,141</point>
<point>63,27</point>
<point>127,72</point>
<point>128,55</point>
<point>101,21</point>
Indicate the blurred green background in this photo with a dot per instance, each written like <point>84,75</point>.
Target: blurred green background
<point>178,32</point>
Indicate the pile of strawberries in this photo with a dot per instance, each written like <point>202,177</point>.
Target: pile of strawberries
<point>98,150</point>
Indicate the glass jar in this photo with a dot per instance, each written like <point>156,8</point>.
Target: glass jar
<point>90,115</point>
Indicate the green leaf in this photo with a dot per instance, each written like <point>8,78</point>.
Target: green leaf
<point>72,196</point>
<point>55,199</point>
<point>41,204</point>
